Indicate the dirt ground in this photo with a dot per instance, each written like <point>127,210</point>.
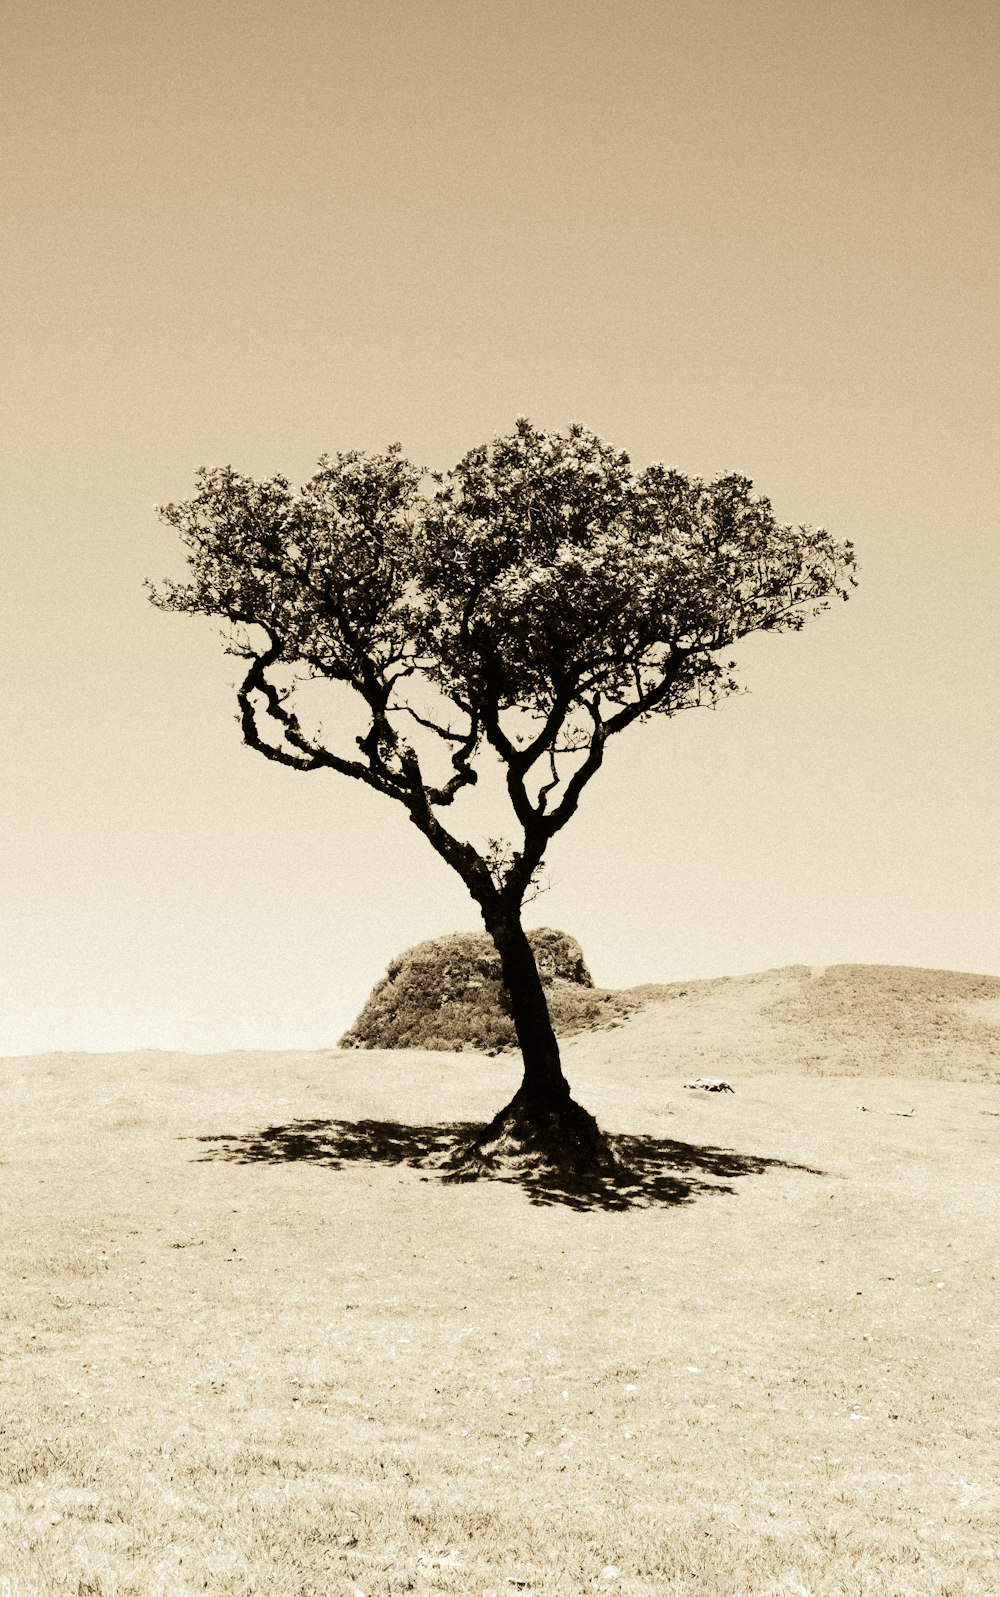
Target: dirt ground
<point>253,1344</point>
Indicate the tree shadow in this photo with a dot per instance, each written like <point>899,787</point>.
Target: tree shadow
<point>651,1171</point>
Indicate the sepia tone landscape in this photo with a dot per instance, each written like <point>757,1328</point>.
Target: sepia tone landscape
<point>296,1299</point>
<point>253,1342</point>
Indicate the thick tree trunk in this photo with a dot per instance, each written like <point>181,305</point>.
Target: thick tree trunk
<point>542,1126</point>
<point>544,1082</point>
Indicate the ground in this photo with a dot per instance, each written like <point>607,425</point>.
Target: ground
<point>253,1343</point>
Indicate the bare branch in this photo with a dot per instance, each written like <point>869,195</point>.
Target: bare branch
<point>555,819</point>
<point>443,732</point>
<point>295,749</point>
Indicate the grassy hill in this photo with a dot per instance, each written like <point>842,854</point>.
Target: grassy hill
<point>842,1020</point>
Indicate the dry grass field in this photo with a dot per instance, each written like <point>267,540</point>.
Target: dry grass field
<point>252,1343</point>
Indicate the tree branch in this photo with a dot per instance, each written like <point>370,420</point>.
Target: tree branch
<point>295,750</point>
<point>301,754</point>
<point>462,857</point>
<point>557,818</point>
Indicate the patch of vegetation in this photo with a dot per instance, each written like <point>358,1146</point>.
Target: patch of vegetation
<point>448,994</point>
<point>896,1019</point>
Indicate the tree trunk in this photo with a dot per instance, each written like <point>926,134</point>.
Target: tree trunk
<point>542,1127</point>
<point>544,1082</point>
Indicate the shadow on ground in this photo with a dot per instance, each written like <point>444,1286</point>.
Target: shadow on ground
<point>653,1171</point>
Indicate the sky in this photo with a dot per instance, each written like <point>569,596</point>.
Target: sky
<point>757,237</point>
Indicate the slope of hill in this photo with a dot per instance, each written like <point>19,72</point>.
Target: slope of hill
<point>844,1020</point>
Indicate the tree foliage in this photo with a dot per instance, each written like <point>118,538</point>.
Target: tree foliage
<point>532,602</point>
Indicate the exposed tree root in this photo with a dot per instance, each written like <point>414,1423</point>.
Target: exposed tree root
<point>558,1138</point>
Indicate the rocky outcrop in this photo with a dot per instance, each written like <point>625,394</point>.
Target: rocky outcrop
<point>447,993</point>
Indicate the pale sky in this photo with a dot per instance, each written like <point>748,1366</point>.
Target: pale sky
<point>756,236</point>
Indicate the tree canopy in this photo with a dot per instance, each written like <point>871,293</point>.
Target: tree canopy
<point>535,600</point>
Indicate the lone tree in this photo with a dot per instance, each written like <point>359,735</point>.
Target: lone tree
<point>523,608</point>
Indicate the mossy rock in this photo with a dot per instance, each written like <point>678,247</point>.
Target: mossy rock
<point>448,994</point>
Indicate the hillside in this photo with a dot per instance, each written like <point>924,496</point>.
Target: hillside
<point>842,1020</point>
<point>839,1020</point>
